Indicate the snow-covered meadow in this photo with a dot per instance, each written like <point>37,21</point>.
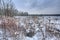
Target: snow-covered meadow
<point>43,28</point>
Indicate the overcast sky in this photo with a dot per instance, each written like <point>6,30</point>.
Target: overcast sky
<point>38,6</point>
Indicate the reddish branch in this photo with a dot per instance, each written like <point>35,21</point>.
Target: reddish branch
<point>10,24</point>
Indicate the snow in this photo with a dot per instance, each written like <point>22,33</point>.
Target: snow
<point>39,22</point>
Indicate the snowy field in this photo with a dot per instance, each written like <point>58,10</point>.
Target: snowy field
<point>43,27</point>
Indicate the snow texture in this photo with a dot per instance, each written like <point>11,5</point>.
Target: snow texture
<point>44,28</point>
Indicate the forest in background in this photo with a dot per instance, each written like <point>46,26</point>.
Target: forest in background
<point>7,8</point>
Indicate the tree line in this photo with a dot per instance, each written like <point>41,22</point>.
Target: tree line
<point>7,8</point>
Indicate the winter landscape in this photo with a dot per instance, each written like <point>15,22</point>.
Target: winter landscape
<point>29,19</point>
<point>30,28</point>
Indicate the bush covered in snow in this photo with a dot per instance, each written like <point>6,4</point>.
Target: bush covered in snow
<point>30,28</point>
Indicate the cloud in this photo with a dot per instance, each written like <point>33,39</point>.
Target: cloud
<point>42,4</point>
<point>39,6</point>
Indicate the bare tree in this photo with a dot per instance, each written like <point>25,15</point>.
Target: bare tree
<point>7,7</point>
